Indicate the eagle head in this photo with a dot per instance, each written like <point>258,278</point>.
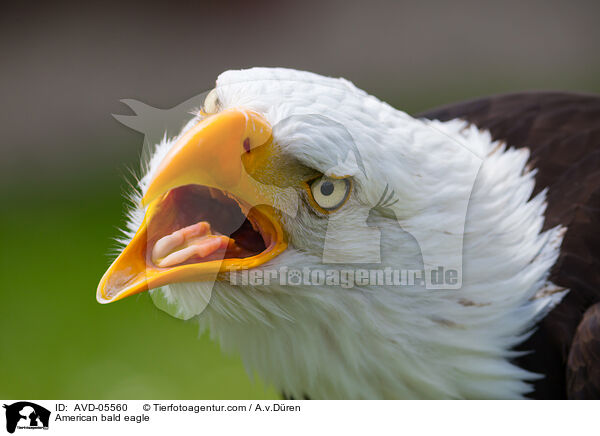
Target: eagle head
<point>342,247</point>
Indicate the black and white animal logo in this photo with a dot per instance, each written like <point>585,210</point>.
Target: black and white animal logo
<point>26,415</point>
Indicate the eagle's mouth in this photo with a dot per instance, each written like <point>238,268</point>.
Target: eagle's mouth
<point>205,215</point>
<point>195,224</point>
<point>193,233</point>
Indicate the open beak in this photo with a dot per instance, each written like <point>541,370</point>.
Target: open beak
<point>204,213</point>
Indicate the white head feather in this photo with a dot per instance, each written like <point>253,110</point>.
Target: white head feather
<point>376,341</point>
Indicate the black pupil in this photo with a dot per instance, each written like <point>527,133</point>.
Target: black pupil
<point>327,188</point>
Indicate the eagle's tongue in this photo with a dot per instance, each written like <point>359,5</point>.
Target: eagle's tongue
<point>196,240</point>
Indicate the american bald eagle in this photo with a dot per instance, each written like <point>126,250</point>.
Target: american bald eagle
<point>287,170</point>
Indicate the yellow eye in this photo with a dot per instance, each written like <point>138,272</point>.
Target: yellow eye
<point>330,194</point>
<point>212,105</point>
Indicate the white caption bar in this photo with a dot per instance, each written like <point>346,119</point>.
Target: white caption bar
<point>158,417</point>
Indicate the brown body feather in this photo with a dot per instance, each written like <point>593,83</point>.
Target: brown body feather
<point>562,130</point>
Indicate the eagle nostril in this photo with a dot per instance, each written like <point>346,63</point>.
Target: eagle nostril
<point>247,145</point>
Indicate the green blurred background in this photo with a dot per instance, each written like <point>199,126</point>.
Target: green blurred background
<point>65,161</point>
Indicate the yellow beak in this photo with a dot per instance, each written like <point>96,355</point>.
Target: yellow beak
<point>202,178</point>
